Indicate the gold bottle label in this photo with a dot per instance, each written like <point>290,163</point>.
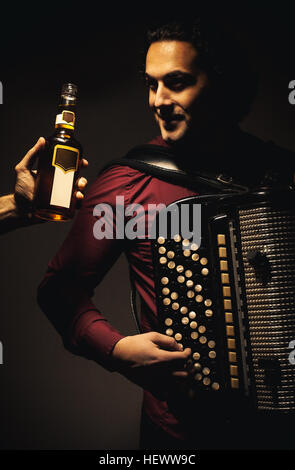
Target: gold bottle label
<point>65,119</point>
<point>65,160</point>
<point>65,157</point>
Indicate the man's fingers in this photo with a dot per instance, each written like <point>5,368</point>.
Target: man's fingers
<point>180,373</point>
<point>82,182</point>
<point>166,342</point>
<point>84,162</point>
<point>30,156</point>
<point>79,195</point>
<point>167,356</point>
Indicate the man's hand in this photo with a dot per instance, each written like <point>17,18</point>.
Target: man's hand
<point>151,360</point>
<point>26,177</point>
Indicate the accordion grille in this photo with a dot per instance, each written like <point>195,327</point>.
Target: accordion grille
<point>270,303</point>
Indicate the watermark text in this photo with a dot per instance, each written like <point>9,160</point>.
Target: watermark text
<point>136,221</point>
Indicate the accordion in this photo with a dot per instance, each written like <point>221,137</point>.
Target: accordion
<point>231,297</point>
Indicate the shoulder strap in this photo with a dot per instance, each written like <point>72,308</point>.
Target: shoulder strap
<point>161,163</point>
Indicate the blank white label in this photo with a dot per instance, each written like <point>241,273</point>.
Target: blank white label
<point>62,188</point>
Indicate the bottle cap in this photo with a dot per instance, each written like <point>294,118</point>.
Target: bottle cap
<point>69,89</point>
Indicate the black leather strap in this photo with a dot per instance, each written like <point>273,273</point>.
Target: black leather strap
<point>161,163</point>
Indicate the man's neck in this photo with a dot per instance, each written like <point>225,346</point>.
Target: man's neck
<point>215,141</point>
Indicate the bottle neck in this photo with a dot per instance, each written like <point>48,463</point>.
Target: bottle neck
<point>66,115</point>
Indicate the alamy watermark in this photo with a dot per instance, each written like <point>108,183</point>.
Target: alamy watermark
<point>136,221</point>
<point>291,97</point>
<point>292,353</point>
<point>1,353</point>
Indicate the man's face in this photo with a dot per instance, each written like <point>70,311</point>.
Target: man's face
<point>177,89</point>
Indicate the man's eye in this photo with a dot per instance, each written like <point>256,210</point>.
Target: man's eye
<point>177,85</point>
<point>151,85</point>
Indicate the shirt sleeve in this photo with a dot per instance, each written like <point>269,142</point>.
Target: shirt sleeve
<point>84,258</point>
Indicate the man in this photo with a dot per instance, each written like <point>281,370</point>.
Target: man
<point>15,209</point>
<point>198,94</point>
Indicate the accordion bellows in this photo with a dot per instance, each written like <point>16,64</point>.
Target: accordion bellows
<point>231,298</point>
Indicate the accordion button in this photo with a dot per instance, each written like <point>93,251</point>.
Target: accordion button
<point>188,273</point>
<point>215,386</point>
<point>205,271</point>
<point>186,253</point>
<point>168,321</point>
<point>164,280</point>
<point>169,332</point>
<point>202,329</point>
<point>211,344</point>
<point>198,377</point>
<point>161,240</point>
<point>184,320</point>
<point>190,294</point>
<point>206,381</point>
<point>221,239</point>
<point>230,331</point>
<point>192,315</point>
<point>162,250</point>
<point>231,343</point>
<point>223,266</point>
<point>232,356</point>
<point>171,265</point>
<point>227,304</point>
<point>204,261</point>
<point>178,336</point>
<point>196,356</point>
<point>199,298</point>
<point>193,325</point>
<point>226,291</point>
<point>234,382</point>
<point>175,306</point>
<point>208,313</point>
<point>189,283</point>
<point>181,279</point>
<point>233,370</point>
<point>206,371</point>
<point>197,366</point>
<point>208,302</point>
<point>203,339</point>
<point>166,301</point>
<point>198,288</point>
<point>185,242</point>
<point>224,278</point>
<point>194,335</point>
<point>194,247</point>
<point>177,238</point>
<point>183,310</point>
<point>174,295</point>
<point>222,252</point>
<point>179,268</point>
<point>228,317</point>
<point>212,354</point>
<point>165,291</point>
<point>163,260</point>
<point>195,257</point>
<point>170,254</point>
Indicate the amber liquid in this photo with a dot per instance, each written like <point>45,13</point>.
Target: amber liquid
<point>43,209</point>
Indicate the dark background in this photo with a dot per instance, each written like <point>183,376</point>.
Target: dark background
<point>49,398</point>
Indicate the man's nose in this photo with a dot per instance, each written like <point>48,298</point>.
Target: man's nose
<point>162,97</point>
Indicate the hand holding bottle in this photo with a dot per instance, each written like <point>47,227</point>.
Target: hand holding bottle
<point>26,177</point>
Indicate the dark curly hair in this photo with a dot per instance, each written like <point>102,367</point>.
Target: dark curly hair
<point>220,55</point>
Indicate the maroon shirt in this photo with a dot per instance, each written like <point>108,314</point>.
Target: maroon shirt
<point>82,262</point>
